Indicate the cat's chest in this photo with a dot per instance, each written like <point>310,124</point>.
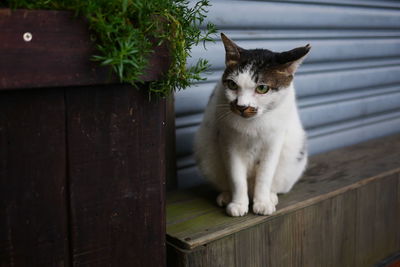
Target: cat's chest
<point>252,148</point>
<point>247,145</point>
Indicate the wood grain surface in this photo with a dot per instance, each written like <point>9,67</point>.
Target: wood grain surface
<point>33,193</point>
<point>82,177</point>
<point>116,164</point>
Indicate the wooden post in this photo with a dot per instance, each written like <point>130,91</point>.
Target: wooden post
<point>82,158</point>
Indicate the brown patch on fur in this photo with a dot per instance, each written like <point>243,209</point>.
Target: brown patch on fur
<point>245,113</point>
<point>232,56</point>
<point>249,112</point>
<point>231,62</point>
<point>277,78</point>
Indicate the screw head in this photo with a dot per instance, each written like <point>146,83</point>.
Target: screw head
<point>27,37</point>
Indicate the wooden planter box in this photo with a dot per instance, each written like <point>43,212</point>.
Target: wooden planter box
<point>82,157</point>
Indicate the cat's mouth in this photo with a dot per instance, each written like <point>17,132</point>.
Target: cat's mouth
<point>243,111</point>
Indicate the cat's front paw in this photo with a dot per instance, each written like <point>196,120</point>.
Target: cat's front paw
<point>237,209</point>
<point>263,207</point>
<point>274,198</point>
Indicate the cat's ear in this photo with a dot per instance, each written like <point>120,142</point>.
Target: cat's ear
<point>232,51</point>
<point>292,59</point>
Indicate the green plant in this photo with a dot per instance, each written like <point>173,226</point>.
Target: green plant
<point>123,31</point>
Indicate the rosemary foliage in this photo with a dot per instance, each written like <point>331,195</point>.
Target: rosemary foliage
<point>124,32</point>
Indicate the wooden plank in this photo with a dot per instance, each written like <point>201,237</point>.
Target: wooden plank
<point>378,221</point>
<point>59,53</point>
<point>358,227</point>
<point>329,227</point>
<point>226,246</point>
<point>284,233</point>
<point>116,143</point>
<point>33,209</point>
<point>328,175</point>
<point>251,247</point>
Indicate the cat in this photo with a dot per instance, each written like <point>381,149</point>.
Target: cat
<point>251,142</point>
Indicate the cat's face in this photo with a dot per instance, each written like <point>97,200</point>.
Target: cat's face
<point>256,81</point>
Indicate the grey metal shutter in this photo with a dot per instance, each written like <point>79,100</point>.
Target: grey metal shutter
<point>348,89</point>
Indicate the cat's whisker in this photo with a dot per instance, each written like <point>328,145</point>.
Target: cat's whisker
<point>223,106</point>
<point>223,109</point>
<point>223,116</point>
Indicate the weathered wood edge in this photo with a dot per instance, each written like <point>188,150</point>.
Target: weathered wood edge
<point>193,243</point>
<point>59,53</point>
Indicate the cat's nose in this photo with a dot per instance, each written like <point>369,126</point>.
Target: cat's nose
<point>241,108</point>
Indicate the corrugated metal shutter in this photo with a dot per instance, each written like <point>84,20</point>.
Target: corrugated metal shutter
<point>349,87</point>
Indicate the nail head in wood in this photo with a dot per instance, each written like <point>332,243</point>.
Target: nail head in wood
<point>27,37</point>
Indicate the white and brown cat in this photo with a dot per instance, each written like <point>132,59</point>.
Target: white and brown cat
<point>251,142</point>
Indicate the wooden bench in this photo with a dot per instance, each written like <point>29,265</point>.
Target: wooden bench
<point>345,211</point>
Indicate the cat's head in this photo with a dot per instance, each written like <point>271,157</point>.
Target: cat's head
<point>257,80</point>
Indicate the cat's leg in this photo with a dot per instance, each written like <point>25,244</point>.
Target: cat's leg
<point>265,199</point>
<point>239,204</point>
<point>289,170</point>
<point>218,176</point>
<point>210,164</point>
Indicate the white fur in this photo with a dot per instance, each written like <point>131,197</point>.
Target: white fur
<point>257,156</point>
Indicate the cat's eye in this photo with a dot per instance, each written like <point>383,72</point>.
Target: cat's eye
<point>262,89</point>
<point>232,85</point>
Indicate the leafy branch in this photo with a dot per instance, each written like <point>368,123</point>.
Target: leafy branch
<point>124,32</point>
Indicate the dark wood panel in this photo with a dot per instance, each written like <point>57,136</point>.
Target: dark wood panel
<point>33,214</point>
<point>58,54</point>
<point>116,145</point>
